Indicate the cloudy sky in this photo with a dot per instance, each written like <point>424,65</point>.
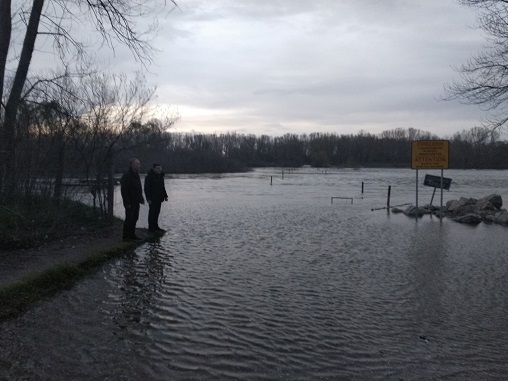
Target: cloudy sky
<point>301,66</point>
<point>295,66</point>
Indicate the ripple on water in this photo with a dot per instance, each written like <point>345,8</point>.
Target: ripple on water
<point>264,284</point>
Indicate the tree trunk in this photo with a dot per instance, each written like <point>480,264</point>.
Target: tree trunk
<point>5,40</point>
<point>11,107</point>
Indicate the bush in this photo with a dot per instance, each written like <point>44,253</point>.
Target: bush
<point>29,221</point>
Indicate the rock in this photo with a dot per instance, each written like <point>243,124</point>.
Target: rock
<point>471,219</point>
<point>440,213</point>
<point>501,217</point>
<point>466,209</point>
<point>431,207</point>
<point>411,211</point>
<point>484,204</point>
<point>495,199</point>
<point>453,205</point>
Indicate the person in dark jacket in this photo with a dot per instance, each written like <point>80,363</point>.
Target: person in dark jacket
<point>155,193</point>
<point>132,196</point>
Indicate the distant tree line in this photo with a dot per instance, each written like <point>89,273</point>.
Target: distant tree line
<point>477,148</point>
<point>63,141</point>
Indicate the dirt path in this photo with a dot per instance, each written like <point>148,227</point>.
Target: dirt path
<point>74,249</point>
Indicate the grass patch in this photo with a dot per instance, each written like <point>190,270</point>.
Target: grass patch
<point>18,298</point>
<point>29,221</point>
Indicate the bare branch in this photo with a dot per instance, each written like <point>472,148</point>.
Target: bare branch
<point>484,78</point>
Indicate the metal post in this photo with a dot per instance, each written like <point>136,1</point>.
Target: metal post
<point>441,206</point>
<point>417,194</point>
<point>433,193</point>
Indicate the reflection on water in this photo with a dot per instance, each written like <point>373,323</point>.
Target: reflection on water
<point>260,282</point>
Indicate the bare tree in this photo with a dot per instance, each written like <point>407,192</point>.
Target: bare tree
<point>484,78</point>
<point>115,21</point>
<point>117,115</point>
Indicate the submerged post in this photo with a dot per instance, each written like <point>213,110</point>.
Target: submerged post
<point>271,180</point>
<point>416,195</point>
<point>388,199</point>
<point>362,187</point>
<point>441,206</point>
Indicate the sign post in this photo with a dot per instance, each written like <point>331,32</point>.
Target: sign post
<point>430,154</point>
<point>437,182</point>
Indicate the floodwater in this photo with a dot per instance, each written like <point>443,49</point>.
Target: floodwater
<point>255,281</point>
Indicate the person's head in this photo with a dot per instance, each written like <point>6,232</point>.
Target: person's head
<point>135,165</point>
<point>157,168</point>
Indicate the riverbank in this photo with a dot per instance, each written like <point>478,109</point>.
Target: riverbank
<point>30,276</point>
<point>38,269</point>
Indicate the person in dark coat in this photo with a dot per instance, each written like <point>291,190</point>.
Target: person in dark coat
<point>132,196</point>
<point>155,193</point>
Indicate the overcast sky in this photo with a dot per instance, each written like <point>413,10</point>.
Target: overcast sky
<point>293,66</point>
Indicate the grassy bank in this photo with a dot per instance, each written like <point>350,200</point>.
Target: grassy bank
<point>37,222</point>
<point>19,297</point>
<point>30,221</point>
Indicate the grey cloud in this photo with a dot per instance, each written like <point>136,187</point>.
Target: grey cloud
<point>326,64</point>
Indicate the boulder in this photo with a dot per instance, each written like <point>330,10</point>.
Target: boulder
<point>453,205</point>
<point>471,219</point>
<point>494,199</point>
<point>484,204</point>
<point>412,211</point>
<point>465,210</point>
<point>440,213</point>
<point>501,217</point>
<point>431,207</point>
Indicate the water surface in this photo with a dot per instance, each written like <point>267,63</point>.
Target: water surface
<point>274,282</point>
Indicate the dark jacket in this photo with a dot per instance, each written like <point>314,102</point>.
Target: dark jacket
<point>131,189</point>
<point>154,187</point>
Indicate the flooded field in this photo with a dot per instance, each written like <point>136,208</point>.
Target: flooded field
<point>255,281</point>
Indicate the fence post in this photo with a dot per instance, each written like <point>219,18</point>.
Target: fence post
<point>388,199</point>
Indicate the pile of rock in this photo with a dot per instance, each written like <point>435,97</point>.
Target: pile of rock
<point>465,210</point>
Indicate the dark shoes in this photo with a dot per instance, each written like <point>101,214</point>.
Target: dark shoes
<point>157,230</point>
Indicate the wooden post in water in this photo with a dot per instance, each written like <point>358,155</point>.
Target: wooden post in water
<point>362,187</point>
<point>282,173</point>
<point>271,180</point>
<point>388,199</point>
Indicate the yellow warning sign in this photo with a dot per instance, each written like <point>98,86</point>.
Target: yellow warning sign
<point>430,154</point>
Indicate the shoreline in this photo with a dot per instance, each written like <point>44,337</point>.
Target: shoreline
<point>28,277</point>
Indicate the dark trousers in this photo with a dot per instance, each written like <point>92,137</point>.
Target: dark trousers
<point>131,217</point>
<point>154,209</point>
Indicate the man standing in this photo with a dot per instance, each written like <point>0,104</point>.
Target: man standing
<point>132,196</point>
<point>155,193</point>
